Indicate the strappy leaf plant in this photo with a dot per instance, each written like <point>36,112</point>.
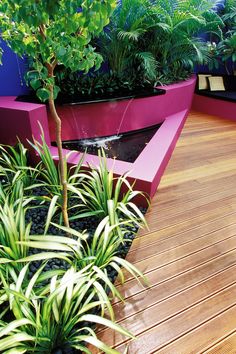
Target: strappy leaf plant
<point>13,229</point>
<point>101,253</point>
<point>107,195</point>
<point>49,179</point>
<point>57,317</point>
<point>14,167</point>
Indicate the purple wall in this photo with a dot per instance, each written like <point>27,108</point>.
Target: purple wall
<point>11,73</point>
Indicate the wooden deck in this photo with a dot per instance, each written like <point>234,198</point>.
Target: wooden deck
<point>189,253</point>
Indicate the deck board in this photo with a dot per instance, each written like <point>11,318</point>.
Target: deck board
<point>189,252</point>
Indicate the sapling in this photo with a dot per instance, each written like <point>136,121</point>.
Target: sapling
<point>51,33</point>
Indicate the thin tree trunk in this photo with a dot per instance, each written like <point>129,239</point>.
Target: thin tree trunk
<point>63,176</point>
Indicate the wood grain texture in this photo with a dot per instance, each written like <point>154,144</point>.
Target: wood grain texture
<point>189,252</point>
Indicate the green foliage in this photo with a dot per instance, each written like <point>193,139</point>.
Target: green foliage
<point>14,166</point>
<point>54,316</point>
<point>119,45</point>
<point>100,253</point>
<point>13,229</point>
<point>223,50</point>
<point>146,43</point>
<point>53,309</point>
<point>49,178</point>
<point>107,195</point>
<point>175,44</point>
<point>53,32</point>
<point>75,87</point>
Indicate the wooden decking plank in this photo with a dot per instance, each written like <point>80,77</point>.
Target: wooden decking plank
<point>158,223</point>
<point>198,340</point>
<point>147,248</point>
<point>175,327</point>
<point>189,223</point>
<point>163,311</point>
<point>131,288</point>
<point>142,299</point>
<point>189,252</point>
<point>226,345</point>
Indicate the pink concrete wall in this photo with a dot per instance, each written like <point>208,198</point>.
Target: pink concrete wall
<point>212,106</point>
<point>20,119</point>
<point>110,118</point>
<point>149,167</point>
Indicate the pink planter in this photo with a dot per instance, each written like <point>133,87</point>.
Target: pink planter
<point>107,118</point>
<point>21,119</point>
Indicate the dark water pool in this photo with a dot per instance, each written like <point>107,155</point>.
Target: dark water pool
<point>125,147</point>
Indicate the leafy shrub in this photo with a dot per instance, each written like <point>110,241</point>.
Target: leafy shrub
<point>223,49</point>
<point>49,178</point>
<point>14,166</point>
<point>105,195</point>
<point>53,309</point>
<point>56,316</point>
<point>146,43</point>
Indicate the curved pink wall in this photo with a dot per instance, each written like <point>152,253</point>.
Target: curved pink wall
<point>21,119</point>
<point>109,118</point>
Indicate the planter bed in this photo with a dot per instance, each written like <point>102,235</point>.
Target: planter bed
<point>36,215</point>
<point>170,109</point>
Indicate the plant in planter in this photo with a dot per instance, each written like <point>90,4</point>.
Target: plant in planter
<point>54,32</point>
<point>144,44</point>
<point>103,194</point>
<point>14,167</point>
<point>119,45</point>
<point>227,46</point>
<point>56,317</point>
<point>176,45</point>
<point>49,309</point>
<point>222,49</point>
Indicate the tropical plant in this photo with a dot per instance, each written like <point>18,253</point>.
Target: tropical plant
<point>175,43</point>
<point>49,178</point>
<point>14,167</point>
<point>55,316</point>
<point>147,42</point>
<point>107,195</point>
<point>54,32</point>
<point>119,44</point>
<point>101,253</point>
<point>223,50</point>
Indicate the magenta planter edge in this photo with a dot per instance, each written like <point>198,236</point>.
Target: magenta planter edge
<point>173,107</point>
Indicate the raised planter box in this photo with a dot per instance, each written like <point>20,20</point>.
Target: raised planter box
<point>171,109</point>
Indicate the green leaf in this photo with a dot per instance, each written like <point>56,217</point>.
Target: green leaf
<point>35,84</point>
<point>43,94</point>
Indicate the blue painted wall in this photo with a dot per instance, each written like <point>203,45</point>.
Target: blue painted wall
<point>12,73</point>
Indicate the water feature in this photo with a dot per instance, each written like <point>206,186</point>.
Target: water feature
<point>125,147</point>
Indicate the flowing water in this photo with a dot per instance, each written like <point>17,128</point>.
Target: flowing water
<point>124,147</point>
